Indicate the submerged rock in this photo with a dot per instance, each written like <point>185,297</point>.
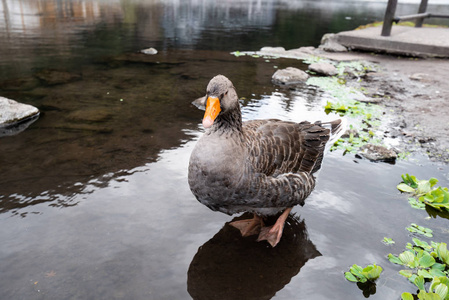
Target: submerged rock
<point>289,76</point>
<point>378,153</point>
<point>323,69</point>
<point>54,77</point>
<point>19,84</point>
<point>149,51</point>
<point>15,117</point>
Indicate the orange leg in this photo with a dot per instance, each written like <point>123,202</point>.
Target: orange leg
<point>249,226</point>
<point>273,233</point>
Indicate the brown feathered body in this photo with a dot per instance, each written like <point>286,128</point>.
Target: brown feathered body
<point>260,166</point>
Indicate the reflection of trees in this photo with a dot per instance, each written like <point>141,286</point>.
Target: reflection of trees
<point>87,132</point>
<point>229,266</point>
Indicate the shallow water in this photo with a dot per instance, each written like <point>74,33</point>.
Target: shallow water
<point>94,199</point>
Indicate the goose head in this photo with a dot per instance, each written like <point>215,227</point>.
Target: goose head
<point>220,100</point>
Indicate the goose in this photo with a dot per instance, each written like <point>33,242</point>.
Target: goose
<point>264,167</point>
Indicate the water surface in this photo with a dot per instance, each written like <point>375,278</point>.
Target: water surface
<point>94,200</point>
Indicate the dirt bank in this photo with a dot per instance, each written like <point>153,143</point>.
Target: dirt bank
<point>416,91</point>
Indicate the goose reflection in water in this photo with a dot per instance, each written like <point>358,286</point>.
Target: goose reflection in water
<point>229,267</point>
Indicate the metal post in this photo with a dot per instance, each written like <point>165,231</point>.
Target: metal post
<point>389,16</point>
<point>422,9</point>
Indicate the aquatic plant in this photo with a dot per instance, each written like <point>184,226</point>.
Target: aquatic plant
<point>426,192</point>
<point>420,230</point>
<point>427,263</point>
<point>388,241</point>
<point>358,274</point>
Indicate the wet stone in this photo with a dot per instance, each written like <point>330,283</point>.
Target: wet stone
<point>329,43</point>
<point>273,49</point>
<point>289,76</point>
<point>323,69</point>
<point>149,51</point>
<point>377,153</point>
<point>12,112</point>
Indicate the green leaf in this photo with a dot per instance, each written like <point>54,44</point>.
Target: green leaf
<point>419,282</point>
<point>407,296</point>
<point>423,295</point>
<point>423,187</point>
<point>426,261</point>
<point>433,181</point>
<point>350,277</point>
<point>407,257</point>
<point>388,241</point>
<point>422,244</point>
<point>405,188</point>
<point>358,272</point>
<point>394,259</point>
<point>424,274</point>
<point>372,272</point>
<point>406,273</point>
<point>441,290</point>
<point>442,252</point>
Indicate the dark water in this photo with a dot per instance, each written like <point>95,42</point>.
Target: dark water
<point>94,200</point>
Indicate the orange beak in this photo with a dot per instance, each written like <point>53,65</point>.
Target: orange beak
<point>212,111</point>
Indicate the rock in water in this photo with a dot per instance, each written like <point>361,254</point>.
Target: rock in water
<point>378,153</point>
<point>15,117</point>
<point>289,76</point>
<point>323,68</point>
<point>149,51</point>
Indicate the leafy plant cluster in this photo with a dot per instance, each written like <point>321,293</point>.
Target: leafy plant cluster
<point>426,263</point>
<point>352,143</point>
<point>425,192</point>
<point>365,116</point>
<point>358,274</point>
<point>420,230</point>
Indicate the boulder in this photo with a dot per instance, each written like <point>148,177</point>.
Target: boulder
<point>378,153</point>
<point>323,68</point>
<point>289,76</point>
<point>329,43</point>
<point>15,117</point>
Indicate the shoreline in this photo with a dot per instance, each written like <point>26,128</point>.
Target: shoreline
<point>411,90</point>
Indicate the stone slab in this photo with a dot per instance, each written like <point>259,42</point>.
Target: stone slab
<point>421,42</point>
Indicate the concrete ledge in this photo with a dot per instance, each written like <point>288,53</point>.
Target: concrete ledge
<point>433,42</point>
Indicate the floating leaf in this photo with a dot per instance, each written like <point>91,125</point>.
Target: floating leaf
<point>426,261</point>
<point>423,295</point>
<point>405,188</point>
<point>394,259</point>
<point>350,277</point>
<point>407,257</point>
<point>414,228</point>
<point>407,296</point>
<point>419,282</point>
<point>388,241</point>
<point>422,244</point>
<point>406,273</point>
<point>372,272</point>
<point>441,290</point>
